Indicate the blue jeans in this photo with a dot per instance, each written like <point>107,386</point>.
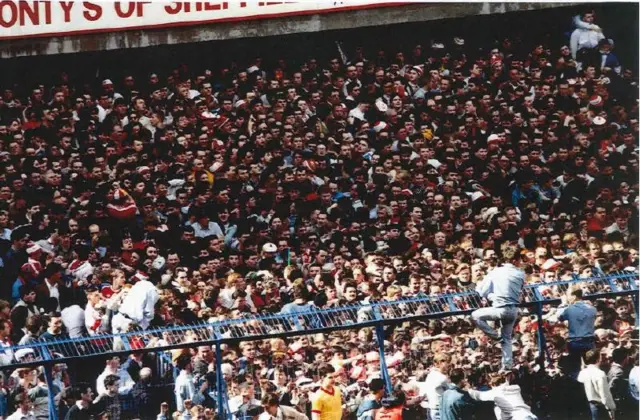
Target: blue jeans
<point>507,317</point>
<point>598,411</point>
<point>577,348</point>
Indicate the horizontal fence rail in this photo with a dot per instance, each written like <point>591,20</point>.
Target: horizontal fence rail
<point>257,327</point>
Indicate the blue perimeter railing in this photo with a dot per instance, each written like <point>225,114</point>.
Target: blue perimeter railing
<point>362,315</point>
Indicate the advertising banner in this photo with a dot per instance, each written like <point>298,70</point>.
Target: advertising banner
<point>38,18</point>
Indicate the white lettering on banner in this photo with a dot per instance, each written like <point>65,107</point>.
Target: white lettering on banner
<point>33,18</point>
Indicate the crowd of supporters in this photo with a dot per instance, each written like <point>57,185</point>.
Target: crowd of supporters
<point>286,187</point>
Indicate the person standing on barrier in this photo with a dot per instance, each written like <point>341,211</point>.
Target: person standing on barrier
<point>502,286</point>
<point>327,403</point>
<point>581,317</point>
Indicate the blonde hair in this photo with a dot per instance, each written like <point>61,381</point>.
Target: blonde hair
<point>232,279</point>
<point>392,291</point>
<point>440,358</point>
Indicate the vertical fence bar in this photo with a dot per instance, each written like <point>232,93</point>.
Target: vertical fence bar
<point>285,326</point>
<point>219,377</point>
<point>219,380</point>
<point>634,299</point>
<point>47,367</point>
<point>542,342</point>
<point>380,338</point>
<point>634,296</point>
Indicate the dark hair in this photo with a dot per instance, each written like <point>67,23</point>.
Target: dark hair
<point>591,357</point>
<point>26,289</point>
<point>456,375</point>
<point>183,361</point>
<point>618,355</point>
<point>76,393</point>
<point>270,399</point>
<point>398,396</point>
<point>111,380</point>
<point>325,369</point>
<point>376,385</point>
<point>52,269</point>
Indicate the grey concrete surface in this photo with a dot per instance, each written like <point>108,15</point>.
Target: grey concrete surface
<point>418,12</point>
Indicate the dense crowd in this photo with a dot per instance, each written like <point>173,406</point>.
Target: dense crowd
<point>282,187</point>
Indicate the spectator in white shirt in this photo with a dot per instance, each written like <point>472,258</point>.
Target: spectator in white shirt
<point>73,320</point>
<point>204,228</point>
<point>436,383</point>
<point>621,223</point>
<point>584,40</point>
<point>185,389</point>
<point>113,368</point>
<point>234,283</point>
<point>94,320</point>
<point>25,408</point>
<point>507,397</point>
<point>138,306</point>
<point>634,380</point>
<point>596,387</point>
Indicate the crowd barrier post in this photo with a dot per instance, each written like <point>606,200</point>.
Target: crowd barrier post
<point>47,368</point>
<point>380,339</point>
<point>219,379</point>
<point>220,384</point>
<point>542,342</point>
<point>379,315</point>
<point>634,299</point>
<point>635,306</point>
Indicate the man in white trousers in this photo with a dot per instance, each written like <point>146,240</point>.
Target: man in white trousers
<point>502,286</point>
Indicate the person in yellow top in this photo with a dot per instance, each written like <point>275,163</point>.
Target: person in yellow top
<point>327,403</point>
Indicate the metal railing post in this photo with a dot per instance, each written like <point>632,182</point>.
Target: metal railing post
<point>380,339</point>
<point>219,377</point>
<point>634,296</point>
<point>542,342</point>
<point>47,367</point>
<point>636,306</point>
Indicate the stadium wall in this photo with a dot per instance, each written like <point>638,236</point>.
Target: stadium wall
<point>17,41</point>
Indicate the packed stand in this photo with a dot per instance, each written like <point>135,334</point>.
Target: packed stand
<point>284,187</point>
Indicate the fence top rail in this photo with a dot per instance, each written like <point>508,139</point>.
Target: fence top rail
<point>255,327</point>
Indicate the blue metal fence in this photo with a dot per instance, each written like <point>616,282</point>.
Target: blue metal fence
<point>259,327</point>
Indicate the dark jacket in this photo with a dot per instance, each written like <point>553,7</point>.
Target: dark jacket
<point>143,400</point>
<point>618,383</point>
<point>75,413</point>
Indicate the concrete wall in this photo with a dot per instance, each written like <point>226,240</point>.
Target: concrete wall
<point>418,12</point>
